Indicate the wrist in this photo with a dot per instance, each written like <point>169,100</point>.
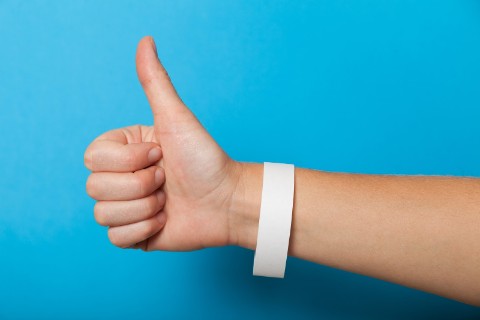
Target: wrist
<point>245,206</point>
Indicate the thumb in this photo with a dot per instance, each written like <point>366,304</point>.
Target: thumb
<point>166,105</point>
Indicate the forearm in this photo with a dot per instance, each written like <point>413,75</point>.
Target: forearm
<point>418,231</point>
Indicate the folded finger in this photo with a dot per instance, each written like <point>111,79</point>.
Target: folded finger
<point>112,153</point>
<point>118,213</point>
<point>125,186</point>
<point>129,235</point>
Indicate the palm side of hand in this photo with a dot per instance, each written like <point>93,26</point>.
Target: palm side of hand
<point>200,181</point>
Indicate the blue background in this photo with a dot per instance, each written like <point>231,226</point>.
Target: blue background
<point>354,86</point>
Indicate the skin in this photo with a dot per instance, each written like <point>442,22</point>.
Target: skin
<point>171,187</point>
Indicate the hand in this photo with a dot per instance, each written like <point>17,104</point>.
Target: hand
<point>186,200</point>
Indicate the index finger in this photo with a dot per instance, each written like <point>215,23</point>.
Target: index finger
<point>112,152</point>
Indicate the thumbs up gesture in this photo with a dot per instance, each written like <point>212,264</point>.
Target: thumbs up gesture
<point>169,186</point>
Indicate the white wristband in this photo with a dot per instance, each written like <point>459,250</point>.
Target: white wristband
<point>275,220</point>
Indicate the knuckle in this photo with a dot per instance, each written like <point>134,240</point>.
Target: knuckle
<point>87,159</point>
<point>91,186</point>
<point>115,238</point>
<point>99,214</point>
<point>146,80</point>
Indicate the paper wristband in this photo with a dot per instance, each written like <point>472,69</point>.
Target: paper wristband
<point>275,220</point>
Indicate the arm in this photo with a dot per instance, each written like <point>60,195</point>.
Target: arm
<point>170,186</point>
<point>418,231</point>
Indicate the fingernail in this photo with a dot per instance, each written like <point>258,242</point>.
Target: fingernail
<point>158,177</point>
<point>161,197</point>
<point>162,217</point>
<point>154,46</point>
<point>154,154</point>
